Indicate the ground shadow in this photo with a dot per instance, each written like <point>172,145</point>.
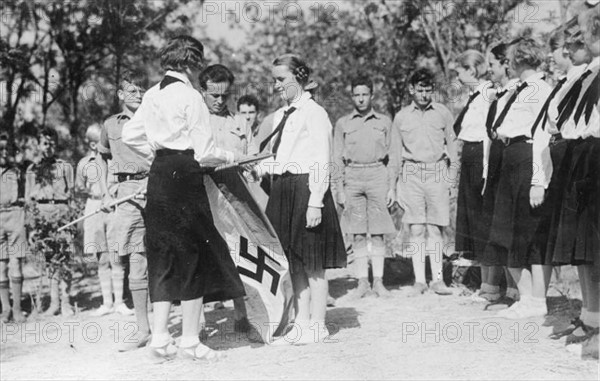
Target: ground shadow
<point>561,310</point>
<point>341,318</point>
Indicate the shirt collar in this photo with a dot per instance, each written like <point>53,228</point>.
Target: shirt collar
<point>371,114</point>
<point>536,77</point>
<point>594,64</point>
<point>180,76</point>
<point>575,71</point>
<point>482,87</point>
<point>300,102</point>
<point>512,83</point>
<point>414,106</point>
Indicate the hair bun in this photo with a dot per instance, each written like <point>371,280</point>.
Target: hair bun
<point>301,72</point>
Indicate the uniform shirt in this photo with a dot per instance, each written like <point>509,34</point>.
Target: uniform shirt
<point>55,182</point>
<point>520,119</point>
<point>87,176</point>
<point>124,159</point>
<point>305,146</point>
<point>229,132</point>
<point>176,118</point>
<point>9,186</point>
<point>425,136</point>
<point>363,140</point>
<point>568,128</point>
<point>473,125</point>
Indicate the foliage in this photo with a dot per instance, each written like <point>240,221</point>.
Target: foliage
<point>57,248</point>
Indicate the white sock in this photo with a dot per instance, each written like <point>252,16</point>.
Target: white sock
<point>189,341</point>
<point>592,319</point>
<point>160,340</point>
<point>584,314</point>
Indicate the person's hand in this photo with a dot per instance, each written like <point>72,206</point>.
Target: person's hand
<point>390,198</point>
<point>536,195</point>
<point>106,201</point>
<point>313,217</point>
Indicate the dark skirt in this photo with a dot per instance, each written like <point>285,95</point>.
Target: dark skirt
<point>515,222</point>
<point>469,230</point>
<point>546,234</point>
<point>318,248</point>
<point>187,257</point>
<point>489,198</point>
<point>578,230</point>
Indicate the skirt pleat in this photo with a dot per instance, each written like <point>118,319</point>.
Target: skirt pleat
<point>318,248</point>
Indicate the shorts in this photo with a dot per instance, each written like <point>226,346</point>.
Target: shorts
<point>126,228</point>
<point>424,193</point>
<point>13,239</point>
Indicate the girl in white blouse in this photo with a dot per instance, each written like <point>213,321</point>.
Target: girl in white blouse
<point>300,205</point>
<point>187,258</point>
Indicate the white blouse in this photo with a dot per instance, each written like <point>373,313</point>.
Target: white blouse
<point>568,128</point>
<point>174,117</point>
<point>305,146</point>
<point>473,125</point>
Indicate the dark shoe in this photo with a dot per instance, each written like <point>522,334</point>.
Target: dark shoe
<point>575,323</point>
<point>330,301</point>
<point>576,337</point>
<point>380,289</point>
<point>500,304</point>
<point>242,325</point>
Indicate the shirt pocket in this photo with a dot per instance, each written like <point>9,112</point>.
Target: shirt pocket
<point>352,136</point>
<point>379,135</point>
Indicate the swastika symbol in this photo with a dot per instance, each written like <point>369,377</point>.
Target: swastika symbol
<point>261,266</point>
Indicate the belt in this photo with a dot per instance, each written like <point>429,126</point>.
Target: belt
<point>121,177</point>
<point>171,152</point>
<point>517,139</point>
<point>52,202</point>
<point>466,142</point>
<point>361,165</point>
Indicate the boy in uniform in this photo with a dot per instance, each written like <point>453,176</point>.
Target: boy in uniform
<point>126,231</point>
<point>429,161</point>
<point>366,182</point>
<point>13,243</point>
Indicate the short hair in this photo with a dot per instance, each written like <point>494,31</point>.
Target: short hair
<point>181,52</point>
<point>249,100</point>
<point>48,133</point>
<point>473,59</point>
<point>215,73</point>
<point>93,132</point>
<point>526,52</point>
<point>134,77</point>
<point>361,80</point>
<point>557,39</point>
<point>590,22</point>
<point>500,50</point>
<point>297,66</point>
<point>423,77</point>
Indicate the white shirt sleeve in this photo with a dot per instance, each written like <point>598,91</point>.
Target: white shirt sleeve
<point>134,132</point>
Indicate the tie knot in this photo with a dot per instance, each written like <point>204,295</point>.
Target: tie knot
<point>289,111</point>
<point>522,85</point>
<point>585,74</point>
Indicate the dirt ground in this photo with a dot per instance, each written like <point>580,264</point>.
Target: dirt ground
<point>428,337</point>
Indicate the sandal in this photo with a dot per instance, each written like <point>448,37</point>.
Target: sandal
<point>207,354</point>
<point>575,323</point>
<point>159,355</point>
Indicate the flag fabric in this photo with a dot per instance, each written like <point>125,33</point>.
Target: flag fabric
<point>255,249</point>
